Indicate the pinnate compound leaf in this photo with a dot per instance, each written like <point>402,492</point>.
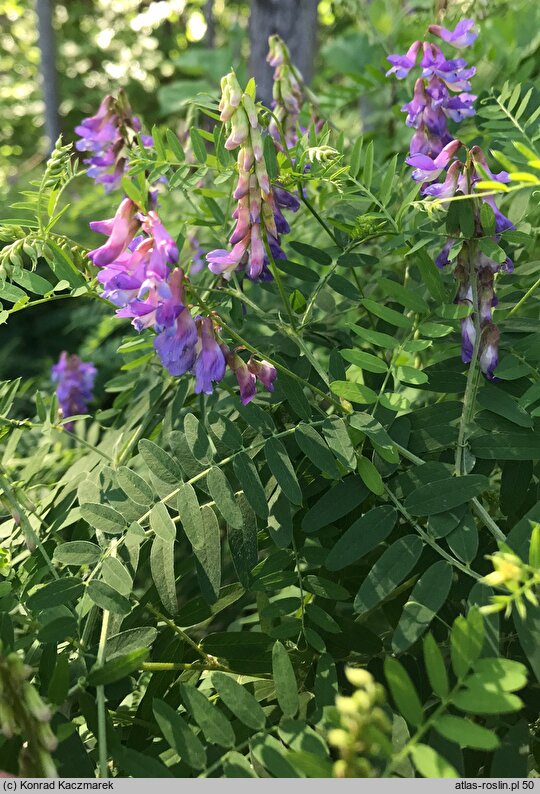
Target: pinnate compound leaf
<point>403,691</point>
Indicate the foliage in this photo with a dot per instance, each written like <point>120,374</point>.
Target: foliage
<point>340,577</point>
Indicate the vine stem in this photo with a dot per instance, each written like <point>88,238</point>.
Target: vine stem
<point>469,398</point>
<point>100,699</point>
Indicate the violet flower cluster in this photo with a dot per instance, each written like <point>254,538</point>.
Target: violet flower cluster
<point>442,94</point>
<point>287,93</point>
<point>74,383</point>
<point>258,212</point>
<point>106,135</point>
<point>139,275</point>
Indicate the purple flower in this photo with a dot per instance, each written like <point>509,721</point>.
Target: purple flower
<point>502,223</point>
<point>222,262</point>
<point>246,379</point>
<point>468,335</point>
<point>75,381</point>
<point>479,159</point>
<point>452,72</point>
<point>447,188</point>
<point>175,345</point>
<point>489,350</point>
<point>402,64</point>
<point>442,258</point>
<point>209,365</point>
<point>106,135</point>
<point>426,169</point>
<point>121,230</point>
<point>264,372</point>
<point>463,34</point>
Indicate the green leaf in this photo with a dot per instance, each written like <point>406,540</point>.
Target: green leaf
<point>507,446</point>
<point>239,701</point>
<point>355,392</point>
<point>507,674</point>
<point>273,756</point>
<point>335,503</point>
<point>367,172</point>
<point>189,511</point>
<point>499,402</point>
<point>364,360</point>
<point>62,266</point>
<point>435,667</point>
<point>77,552</point>
<point>281,467</point>
<point>223,495</point>
<point>314,254</point>
<point>404,295</point>
<point>388,572</point>
<point>115,574</point>
<point>244,652</point>
<point>270,159</point>
<point>198,439</point>
<point>465,733</point>
<point>314,447</point>
<point>324,588</point>
<point>534,548</point>
<point>107,598</point>
<point>198,145</point>
<point>285,680</point>
<point>377,338</point>
<point>431,764</point>
<point>179,735</point>
<point>209,555</point>
<point>163,576</point>
<point>430,275</point>
<point>139,764</point>
<point>442,495</point>
<point>528,632</point>
<point>403,691</point>
<point>117,668</point>
<point>213,723</point>
<point>370,475</point>
<point>103,517</point>
<point>162,523</point>
<point>428,596</point>
<point>466,641</point>
<point>486,700</point>
<point>337,437</point>
<point>134,486</point>
<point>54,594</point>
<point>390,316</point>
<point>243,542</point>
<point>236,765</point>
<point>160,463</point>
<point>360,538</point>
<point>356,157</point>
<point>373,430</point>
<point>130,640</point>
<point>248,476</point>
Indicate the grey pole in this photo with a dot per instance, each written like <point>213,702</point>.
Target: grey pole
<point>48,71</point>
<point>296,22</point>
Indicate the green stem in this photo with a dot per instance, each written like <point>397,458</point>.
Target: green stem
<point>315,214</point>
<point>100,698</point>
<point>428,539</point>
<point>181,633</point>
<point>525,298</point>
<point>470,388</point>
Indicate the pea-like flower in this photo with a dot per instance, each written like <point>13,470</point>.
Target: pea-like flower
<point>74,381</point>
